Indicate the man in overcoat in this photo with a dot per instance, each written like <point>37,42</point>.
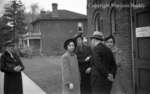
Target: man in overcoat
<point>103,65</point>
<point>83,53</point>
<point>12,66</point>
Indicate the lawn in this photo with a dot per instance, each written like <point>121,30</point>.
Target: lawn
<point>46,72</point>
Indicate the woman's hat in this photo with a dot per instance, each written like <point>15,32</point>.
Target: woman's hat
<point>97,35</point>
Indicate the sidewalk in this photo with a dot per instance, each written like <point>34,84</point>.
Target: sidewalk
<point>29,87</point>
<point>1,83</point>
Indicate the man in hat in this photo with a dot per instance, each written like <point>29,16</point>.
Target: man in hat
<point>12,66</point>
<point>83,53</point>
<point>103,68</point>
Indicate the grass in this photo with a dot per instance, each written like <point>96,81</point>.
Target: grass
<point>46,72</point>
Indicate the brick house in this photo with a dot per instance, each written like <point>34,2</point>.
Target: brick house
<point>129,26</point>
<point>51,29</point>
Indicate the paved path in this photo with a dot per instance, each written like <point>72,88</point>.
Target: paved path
<point>1,83</point>
<point>29,87</point>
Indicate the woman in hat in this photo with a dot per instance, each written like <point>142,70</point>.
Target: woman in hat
<point>12,66</point>
<point>70,69</point>
<point>119,83</point>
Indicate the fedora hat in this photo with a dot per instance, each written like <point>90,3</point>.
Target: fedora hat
<point>97,35</point>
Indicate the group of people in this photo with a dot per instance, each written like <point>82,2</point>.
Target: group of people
<point>89,68</point>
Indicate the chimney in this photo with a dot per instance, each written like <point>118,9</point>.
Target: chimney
<point>54,6</point>
<point>54,9</point>
<point>42,13</point>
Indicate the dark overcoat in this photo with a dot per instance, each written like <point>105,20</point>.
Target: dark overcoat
<point>103,63</point>
<point>82,53</point>
<point>12,79</point>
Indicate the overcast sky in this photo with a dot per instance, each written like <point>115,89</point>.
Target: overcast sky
<point>73,5</point>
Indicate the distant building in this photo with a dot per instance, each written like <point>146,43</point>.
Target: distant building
<point>51,29</point>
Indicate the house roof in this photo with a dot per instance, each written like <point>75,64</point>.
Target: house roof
<point>60,15</point>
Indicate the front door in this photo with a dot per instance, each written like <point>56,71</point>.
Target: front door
<point>142,51</point>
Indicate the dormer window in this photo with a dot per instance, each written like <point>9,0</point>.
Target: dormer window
<point>80,27</point>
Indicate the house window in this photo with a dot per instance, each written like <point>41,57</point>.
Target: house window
<point>98,23</point>
<point>39,27</point>
<point>80,27</point>
<point>113,20</point>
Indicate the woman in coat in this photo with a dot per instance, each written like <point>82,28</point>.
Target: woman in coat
<point>70,69</point>
<point>12,66</point>
<point>120,82</point>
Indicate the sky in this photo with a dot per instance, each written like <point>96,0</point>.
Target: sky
<point>72,5</point>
